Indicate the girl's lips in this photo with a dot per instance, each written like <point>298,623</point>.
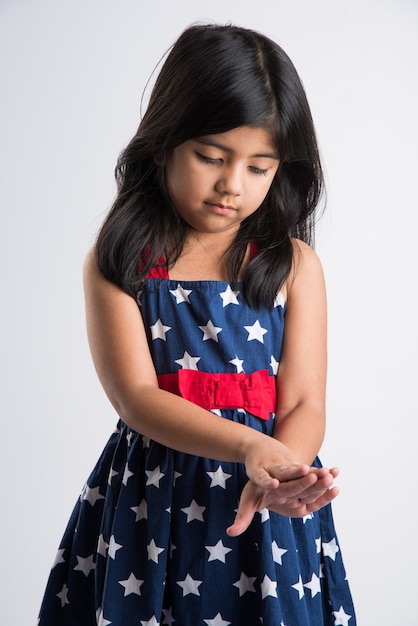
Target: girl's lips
<point>219,208</point>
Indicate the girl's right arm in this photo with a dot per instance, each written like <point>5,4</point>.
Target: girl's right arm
<point>125,368</point>
<point>124,365</point>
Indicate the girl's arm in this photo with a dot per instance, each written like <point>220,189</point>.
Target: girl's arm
<point>300,415</point>
<point>123,362</point>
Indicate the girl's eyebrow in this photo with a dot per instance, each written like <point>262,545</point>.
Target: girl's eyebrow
<point>207,141</point>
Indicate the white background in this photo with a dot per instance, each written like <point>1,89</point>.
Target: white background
<point>72,74</point>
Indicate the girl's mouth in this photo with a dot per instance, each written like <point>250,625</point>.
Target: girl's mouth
<point>219,208</point>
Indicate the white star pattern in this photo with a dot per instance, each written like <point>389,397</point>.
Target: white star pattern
<point>129,438</point>
<point>341,617</point>
<point>245,583</point>
<point>216,621</point>
<point>256,332</point>
<point>102,546</point>
<point>218,478</point>
<point>188,362</point>
<point>151,622</point>
<point>91,495</point>
<point>314,585</point>
<point>194,511</point>
<point>238,364</point>
<point>299,588</point>
<point>141,511</point>
<point>307,517</point>
<point>318,544</point>
<point>218,552</point>
<point>274,365</point>
<point>330,549</point>
<point>189,585</point>
<point>59,558</point>
<point>180,294</point>
<point>126,475</point>
<point>159,331</point>
<point>154,477</point>
<point>62,595</point>
<point>131,585</point>
<point>265,515</point>
<point>279,300</point>
<point>229,297</point>
<point>268,587</point>
<point>168,617</point>
<point>153,551</point>
<point>112,474</point>
<point>210,331</point>
<point>277,553</point>
<point>85,564</point>
<point>101,621</point>
<point>113,547</point>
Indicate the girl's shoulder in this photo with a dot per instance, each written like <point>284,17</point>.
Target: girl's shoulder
<point>90,263</point>
<point>307,272</point>
<point>303,253</point>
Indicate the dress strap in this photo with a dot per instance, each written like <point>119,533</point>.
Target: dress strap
<point>253,249</point>
<point>160,270</point>
<point>256,392</point>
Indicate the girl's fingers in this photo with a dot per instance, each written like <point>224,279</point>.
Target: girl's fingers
<point>240,525</point>
<point>272,477</point>
<point>299,491</point>
<point>250,502</point>
<point>325,499</point>
<point>296,487</point>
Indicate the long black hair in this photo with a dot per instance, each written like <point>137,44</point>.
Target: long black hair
<point>214,79</point>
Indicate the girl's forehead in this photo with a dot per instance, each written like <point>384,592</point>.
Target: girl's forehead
<point>250,139</point>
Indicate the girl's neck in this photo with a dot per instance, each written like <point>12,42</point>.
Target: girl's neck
<point>203,258</point>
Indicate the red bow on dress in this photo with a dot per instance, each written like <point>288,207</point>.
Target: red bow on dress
<point>256,392</point>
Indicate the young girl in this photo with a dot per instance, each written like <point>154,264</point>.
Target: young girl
<point>206,319</point>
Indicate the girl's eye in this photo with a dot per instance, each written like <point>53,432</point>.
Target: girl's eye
<point>218,161</point>
<point>206,159</point>
<point>258,170</point>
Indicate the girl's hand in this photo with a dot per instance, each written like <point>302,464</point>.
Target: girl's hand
<point>299,493</point>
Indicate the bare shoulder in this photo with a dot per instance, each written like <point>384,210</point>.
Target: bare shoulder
<point>116,333</point>
<point>92,276</point>
<point>90,260</point>
<point>307,267</point>
<point>305,256</point>
<point>90,268</point>
<point>103,297</point>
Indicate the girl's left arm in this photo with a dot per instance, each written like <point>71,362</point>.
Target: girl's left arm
<point>301,381</point>
<point>300,414</point>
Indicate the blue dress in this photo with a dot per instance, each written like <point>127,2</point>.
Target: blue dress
<point>146,544</point>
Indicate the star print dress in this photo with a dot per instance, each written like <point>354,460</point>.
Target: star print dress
<point>146,544</point>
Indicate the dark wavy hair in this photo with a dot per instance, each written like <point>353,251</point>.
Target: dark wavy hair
<point>214,79</point>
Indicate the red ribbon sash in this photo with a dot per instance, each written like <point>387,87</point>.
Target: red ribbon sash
<point>256,393</point>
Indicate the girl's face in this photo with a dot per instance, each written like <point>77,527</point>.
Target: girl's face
<point>216,181</point>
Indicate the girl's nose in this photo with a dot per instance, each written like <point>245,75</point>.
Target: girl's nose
<point>229,182</point>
